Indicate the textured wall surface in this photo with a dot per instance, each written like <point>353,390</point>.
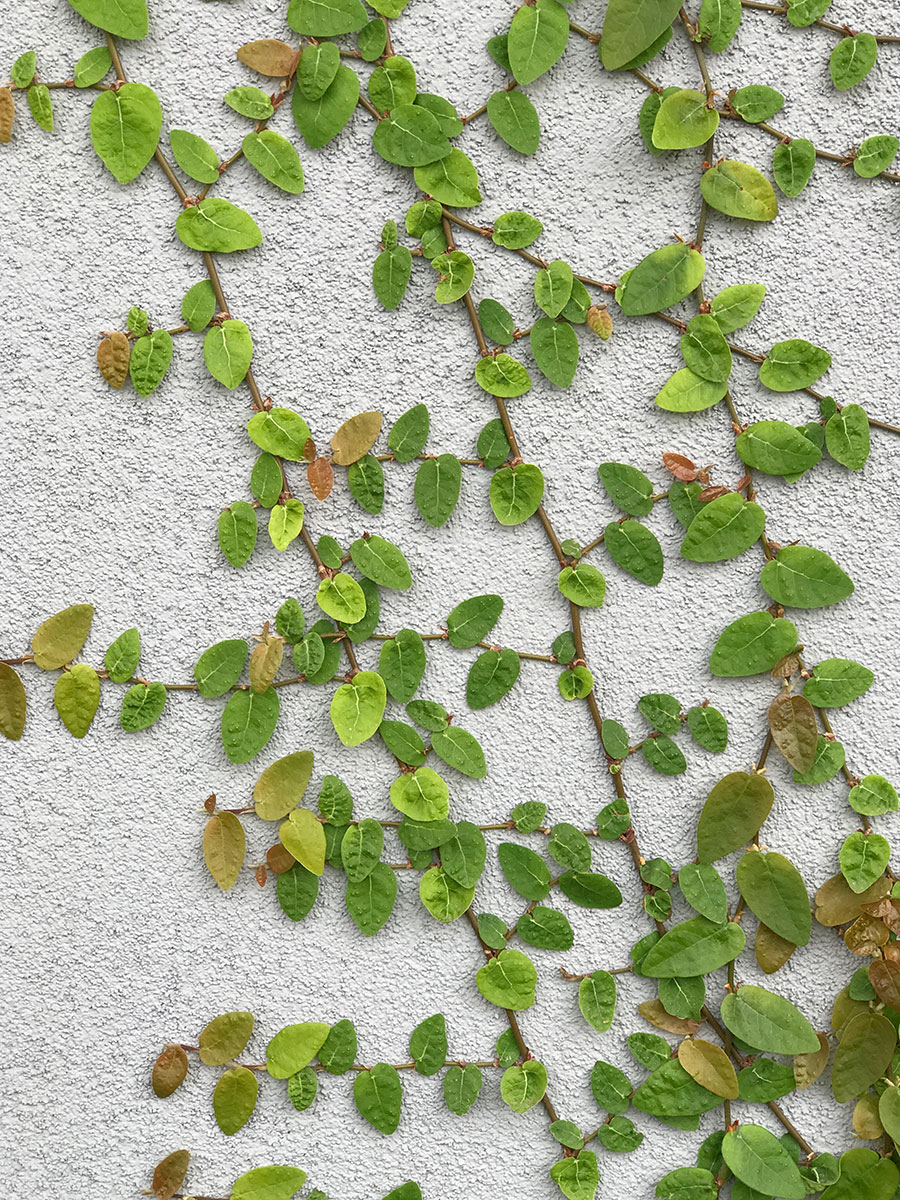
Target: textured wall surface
<point>115,938</point>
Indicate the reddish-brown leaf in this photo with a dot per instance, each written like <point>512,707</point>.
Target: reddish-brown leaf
<point>169,1071</point>
<point>261,875</point>
<point>792,722</point>
<point>320,477</point>
<point>309,450</point>
<point>713,493</point>
<point>169,1174</point>
<point>679,466</point>
<point>278,859</point>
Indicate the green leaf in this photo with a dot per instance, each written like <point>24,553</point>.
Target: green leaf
<point>864,1174</point>
<point>227,351</point>
<point>553,287</point>
<point>303,836</point>
<point>627,487</point>
<point>852,59</point>
<point>864,857</point>
<point>752,644</point>
<point>409,433</point>
<point>873,795</point>
<point>366,481</point>
<point>525,870</point>
<point>410,137</point>
<point>508,980</point>
<point>805,12</point>
<point>280,431</point>
<point>294,1047</point>
<point>689,1183</point>
<point>393,83</point>
<point>234,1099</point>
<point>670,1093</point>
<point>516,493</point>
<point>472,620</point>
<point>758,1159</point>
<point>662,711</point>
<point>237,532</point>
<point>837,681</point>
<point>460,750</point>
<point>442,110</point>
<point>496,321</point>
<point>297,890</point>
<point>326,18</point>
<point>322,119</point>
<point>767,1021</point>
<point>23,69</point>
<point>142,706</point>
<point>739,190</point>
<point>828,761</point>
<point>501,375</point>
<point>577,1178</point>
<point>60,637</point>
<point>583,584</point>
<point>219,668</point>
<point>421,795</point>
<point>463,855</point>
<point>664,756</point>
<point>382,562</point>
<point>302,1088</point>
<point>636,549</point>
<point>757,102</point>
<point>357,708</point>
<point>371,901</point>
<point>268,1183</point>
<point>401,664</point>
<point>248,721</point>
<point>776,894</point>
<point>516,230</point>
<point>546,929</point>
<point>734,307</point>
<point>515,119</point>
<point>777,448</point>
<point>695,947</point>
<point>703,889</point>
<point>705,350</point>
<point>224,1037</point>
<point>630,26</point>
<point>684,120</point>
<point>403,742</point>
<point>847,436</point>
<point>662,279</point>
<point>436,491</point>
<point>92,66</point>
<point>610,1087</point>
<point>597,1000</point>
<point>688,392</point>
<point>41,105</point>
<point>708,728</point>
<point>317,68</point>
<point>285,523</point>
<point>452,180</point>
<point>462,1086</point>
<point>569,847</point>
<point>875,154</point>
<point>428,1044</point>
<point>122,18</point>
<point>122,658</point>
<point>801,577</point>
<point>723,528</point>
<point>589,890</point>
<point>150,358</point>
<point>792,165</point>
<point>199,305</point>
<point>718,23</point>
<point>523,1085</point>
<point>378,1095</point>
<point>217,226</point>
<point>342,598</point>
<point>793,365</point>
<point>194,155</point>
<point>491,676</point>
<point>338,1052</point>
<point>732,814</point>
<point>275,159</point>
<point>537,38</point>
<point>567,1134</point>
<point>444,898</point>
<point>77,697</point>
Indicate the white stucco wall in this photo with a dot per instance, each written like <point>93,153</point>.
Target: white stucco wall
<point>117,941</point>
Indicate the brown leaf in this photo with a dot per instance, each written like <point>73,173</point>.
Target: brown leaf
<point>836,903</point>
<point>170,1173</point>
<point>169,1071</point>
<point>709,1066</point>
<point>210,803</point>
<point>866,1124</point>
<point>261,875</point>
<point>772,950</point>
<point>320,477</point>
<point>113,357</point>
<point>268,56</point>
<point>653,1011</point>
<point>792,722</point>
<point>309,450</point>
<point>7,113</point>
<point>884,977</point>
<point>808,1067</point>
<point>356,437</point>
<point>599,321</point>
<point>866,935</point>
<point>713,493</point>
<point>278,859</point>
<point>679,466</point>
<point>785,667</point>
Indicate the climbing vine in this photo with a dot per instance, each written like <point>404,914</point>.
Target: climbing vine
<point>758,1047</point>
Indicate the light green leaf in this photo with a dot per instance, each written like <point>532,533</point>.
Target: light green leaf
<point>847,436</point>
<point>508,980</point>
<point>688,392</point>
<point>583,584</point>
<point>864,857</point>
<point>837,681</point>
<point>227,351</point>
<point>739,190</point>
<point>122,18</point>
<point>792,165</point>
<point>199,305</point>
<point>421,795</point>
<point>793,365</point>
<point>194,155</point>
<point>326,18</point>
<point>150,358</point>
<point>597,1000</point>
<point>285,523</point>
<point>122,658</point>
<point>684,120</point>
<point>125,127</point>
<point>734,307</point>
<point>303,836</point>
<point>452,180</point>
<point>237,529</point>
<point>357,708</point>
<point>777,448</point>
<point>217,226</point>
<point>317,68</point>
<point>410,137</point>
<point>516,230</point>
<point>93,65</point>
<point>444,898</point>
<point>275,159</point>
<point>77,697</point>
<point>523,1085</point>
<point>537,38</point>
<point>662,279</point>
<point>501,375</point>
<point>294,1047</point>
<point>768,1022</point>
<point>704,349</point>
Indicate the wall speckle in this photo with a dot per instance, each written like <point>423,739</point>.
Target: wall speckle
<point>116,940</point>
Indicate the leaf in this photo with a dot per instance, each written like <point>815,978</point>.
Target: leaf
<point>378,1095</point>
<point>739,190</point>
<point>217,226</point>
<point>452,180</point>
<point>444,898</point>
<point>724,528</point>
<point>801,577</point>
<point>793,365</point>
<point>664,756</point>
<point>303,836</point>
<point>41,105</point>
<point>767,1021</point>
<point>752,644</point>
<point>684,120</point>
<point>864,857</point>
<point>224,846</point>
<point>852,59</point>
<point>776,894</point>
<point>421,795</point>
<point>847,436</point>
<point>555,349</point>
<point>525,870</point>
<point>322,119</point>
<point>219,668</point>
<point>837,681</point>
<point>472,620</point>
<point>863,1055</point>
<point>695,947</point>
<point>709,1066</point>
<point>122,18</point>
<point>627,487</point>
<point>873,796</point>
<point>515,119</point>
<point>12,703</point>
<point>272,57</point>
<point>708,728</point>
<point>294,1047</point>
<point>491,676</point>
<point>757,102</point>
<point>523,1085</point>
<point>636,549</point>
<point>501,375</point>
<point>793,163</point>
<point>268,1183</point>
<point>410,137</point>
<point>662,279</point>
<point>760,1160</point>
<point>577,1178</point>
<point>393,83</point>
<point>463,855</point>
<point>733,813</point>
<point>462,1086</point>
<point>583,585</point>
<point>874,155</point>
<point>409,433</point>
<point>460,750</point>
<point>142,706</point>
<point>248,721</point>
<point>342,598</point>
<point>194,155</point>
<point>355,437</point>
<point>597,1000</point>
<point>689,1183</point>
<point>792,723</point>
<point>61,636</point>
<point>703,889</point>
<point>357,708</point>
<point>516,230</point>
<point>224,1037</point>
<point>546,929</point>
<point>537,38</point>
<point>428,1045</point>
<point>275,159</point>
<point>589,890</point>
<point>734,307</point>
<point>705,350</point>
<point>125,128</point>
<point>227,351</point>
<point>169,1071</point>
<point>381,561</point>
<point>390,276</point>
<point>688,392</point>
<point>508,980</point>
<point>402,664</point>
<point>777,448</point>
<point>371,901</point>
<point>516,493</point>
<point>553,287</point>
<point>169,1174</point>
<point>93,65</point>
<point>297,891</point>
<point>437,487</point>
<point>77,697</point>
<point>670,1093</point>
<point>199,305</point>
<point>150,358</point>
<point>864,1176</point>
<point>630,26</point>
<point>326,18</point>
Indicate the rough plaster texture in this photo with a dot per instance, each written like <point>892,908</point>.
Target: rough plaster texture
<point>115,938</point>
